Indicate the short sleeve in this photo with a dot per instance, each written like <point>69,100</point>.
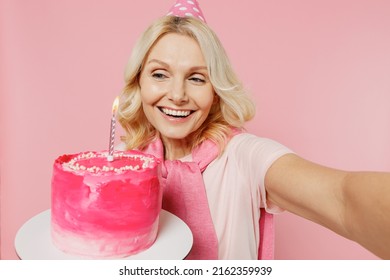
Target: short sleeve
<point>255,155</point>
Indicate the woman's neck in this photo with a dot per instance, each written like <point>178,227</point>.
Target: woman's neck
<point>175,148</point>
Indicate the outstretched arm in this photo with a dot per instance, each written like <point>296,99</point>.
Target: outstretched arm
<point>355,205</point>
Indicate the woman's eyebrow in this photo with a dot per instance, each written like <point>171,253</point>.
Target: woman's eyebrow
<point>194,68</point>
<point>159,62</point>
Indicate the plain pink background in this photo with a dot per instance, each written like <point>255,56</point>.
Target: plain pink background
<point>318,71</point>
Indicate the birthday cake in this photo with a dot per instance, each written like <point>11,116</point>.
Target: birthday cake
<point>105,209</point>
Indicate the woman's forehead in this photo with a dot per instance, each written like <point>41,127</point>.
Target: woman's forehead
<point>176,49</point>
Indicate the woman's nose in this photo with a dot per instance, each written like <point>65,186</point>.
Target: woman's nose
<point>177,93</point>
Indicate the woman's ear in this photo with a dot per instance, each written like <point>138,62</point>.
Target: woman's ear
<point>216,99</point>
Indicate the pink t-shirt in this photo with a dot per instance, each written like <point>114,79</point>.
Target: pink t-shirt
<point>235,189</point>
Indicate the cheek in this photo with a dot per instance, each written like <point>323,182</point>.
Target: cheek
<point>150,93</point>
<point>149,113</point>
<point>206,101</point>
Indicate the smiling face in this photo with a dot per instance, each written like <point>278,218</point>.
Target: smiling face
<point>176,92</point>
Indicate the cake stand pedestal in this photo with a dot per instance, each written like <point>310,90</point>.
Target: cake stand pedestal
<point>33,241</point>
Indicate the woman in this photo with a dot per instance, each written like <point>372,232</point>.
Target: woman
<point>184,104</point>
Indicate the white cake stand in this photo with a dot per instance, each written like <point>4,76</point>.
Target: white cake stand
<point>33,241</point>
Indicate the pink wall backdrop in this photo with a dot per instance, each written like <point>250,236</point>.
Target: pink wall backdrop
<point>318,71</point>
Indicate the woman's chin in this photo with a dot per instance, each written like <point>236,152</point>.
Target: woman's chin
<point>175,133</point>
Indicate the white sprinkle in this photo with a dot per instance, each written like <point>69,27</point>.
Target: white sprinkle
<point>74,165</point>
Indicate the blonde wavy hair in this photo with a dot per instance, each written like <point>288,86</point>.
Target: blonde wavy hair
<point>232,109</point>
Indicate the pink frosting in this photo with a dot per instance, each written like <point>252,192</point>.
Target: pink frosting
<point>105,209</point>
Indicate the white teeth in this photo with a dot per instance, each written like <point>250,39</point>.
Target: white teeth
<point>176,113</point>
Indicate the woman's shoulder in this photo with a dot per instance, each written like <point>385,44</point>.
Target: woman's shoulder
<point>247,140</point>
<point>248,147</point>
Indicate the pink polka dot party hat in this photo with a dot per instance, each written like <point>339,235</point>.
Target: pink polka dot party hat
<point>186,8</point>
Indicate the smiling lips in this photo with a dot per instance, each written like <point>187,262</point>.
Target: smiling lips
<point>176,113</point>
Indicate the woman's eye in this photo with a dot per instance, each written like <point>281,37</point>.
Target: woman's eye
<point>158,76</point>
<point>198,80</point>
